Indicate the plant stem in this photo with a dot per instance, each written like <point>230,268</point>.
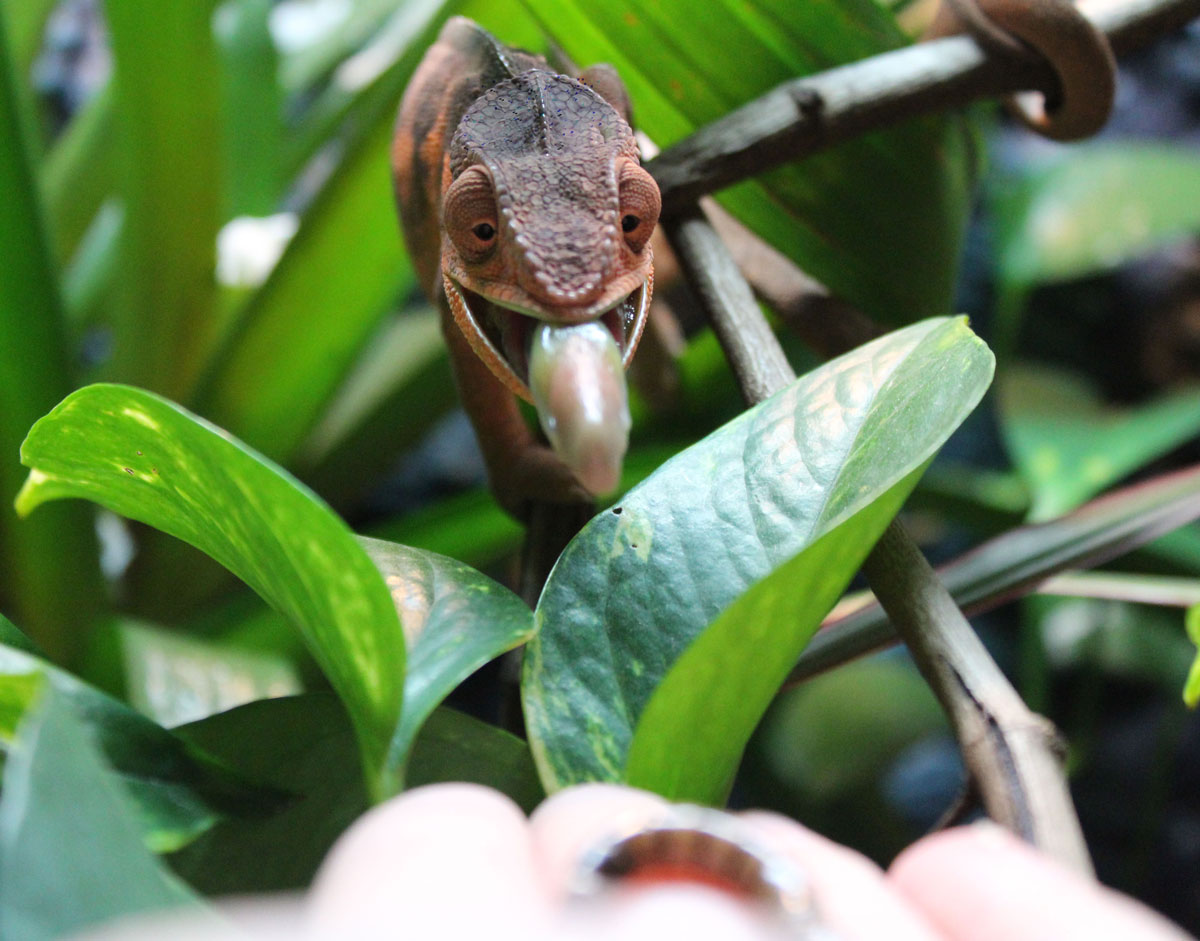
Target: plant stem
<point>805,115</point>
<point>1010,753</point>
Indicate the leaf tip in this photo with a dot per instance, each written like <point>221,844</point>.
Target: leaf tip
<point>29,497</point>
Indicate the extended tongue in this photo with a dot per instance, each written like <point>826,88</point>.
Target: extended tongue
<point>578,387</point>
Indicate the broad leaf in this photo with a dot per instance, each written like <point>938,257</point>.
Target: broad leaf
<point>878,219</point>
<point>70,849</point>
<point>1090,210</point>
<point>688,741</point>
<point>174,677</point>
<point>455,621</point>
<point>453,746</point>
<point>177,793</point>
<point>305,746</point>
<point>1069,445</point>
<point>645,579</point>
<point>302,746</point>
<point>152,461</point>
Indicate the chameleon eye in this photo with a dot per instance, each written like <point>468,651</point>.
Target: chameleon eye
<point>640,205</point>
<point>469,214</point>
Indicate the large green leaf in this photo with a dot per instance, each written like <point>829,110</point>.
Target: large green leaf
<point>1089,210</point>
<point>1069,445</point>
<point>70,849</point>
<point>167,94</point>
<point>51,582</point>
<point>645,579</point>
<point>878,219</point>
<point>176,792</point>
<point>304,745</point>
<point>688,741</point>
<point>152,461</point>
<point>455,621</point>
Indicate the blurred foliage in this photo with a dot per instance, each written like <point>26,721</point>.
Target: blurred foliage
<point>213,222</point>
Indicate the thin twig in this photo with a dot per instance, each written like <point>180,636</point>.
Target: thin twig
<point>805,115</point>
<point>1010,753</point>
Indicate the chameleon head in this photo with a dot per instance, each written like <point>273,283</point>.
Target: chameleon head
<point>547,218</point>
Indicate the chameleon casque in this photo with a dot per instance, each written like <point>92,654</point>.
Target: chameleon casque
<point>528,218</point>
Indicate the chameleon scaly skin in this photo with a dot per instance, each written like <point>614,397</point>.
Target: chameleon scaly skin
<point>523,203</point>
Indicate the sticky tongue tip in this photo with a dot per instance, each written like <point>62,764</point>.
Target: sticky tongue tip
<point>578,386</point>
<point>599,471</point>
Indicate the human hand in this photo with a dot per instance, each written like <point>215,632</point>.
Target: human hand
<point>461,861</point>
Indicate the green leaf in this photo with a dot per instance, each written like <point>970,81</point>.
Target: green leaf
<point>167,95</point>
<point>51,581</point>
<point>1095,207</point>
<point>305,745</point>
<point>398,390</point>
<point>1069,445</point>
<point>301,745</point>
<point>152,461</point>
<point>253,107</point>
<point>453,746</point>
<point>878,219</point>
<point>175,678</point>
<point>645,579</point>
<point>688,741</point>
<point>303,329</point>
<point>177,793</point>
<point>78,174</point>
<point>455,620</point>
<point>1191,686</point>
<point>70,849</point>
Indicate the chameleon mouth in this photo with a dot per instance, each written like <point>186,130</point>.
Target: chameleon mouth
<point>501,335</point>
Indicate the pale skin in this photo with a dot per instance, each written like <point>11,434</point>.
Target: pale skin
<point>462,861</point>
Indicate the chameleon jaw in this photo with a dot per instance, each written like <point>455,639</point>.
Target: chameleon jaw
<point>500,334</point>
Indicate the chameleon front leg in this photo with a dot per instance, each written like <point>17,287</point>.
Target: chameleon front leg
<point>521,469</point>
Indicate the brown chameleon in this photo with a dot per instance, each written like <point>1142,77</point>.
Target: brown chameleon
<point>528,219</point>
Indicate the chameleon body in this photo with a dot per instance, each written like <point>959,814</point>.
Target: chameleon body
<point>528,217</point>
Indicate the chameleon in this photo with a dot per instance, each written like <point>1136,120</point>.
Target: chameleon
<point>528,216</point>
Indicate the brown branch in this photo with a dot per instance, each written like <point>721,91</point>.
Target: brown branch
<point>1010,753</point>
<point>805,115</point>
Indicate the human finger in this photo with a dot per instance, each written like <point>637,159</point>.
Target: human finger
<point>982,883</point>
<point>448,860</point>
<point>851,893</point>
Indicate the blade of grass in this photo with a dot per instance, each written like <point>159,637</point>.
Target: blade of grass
<point>51,580</point>
<point>168,126</point>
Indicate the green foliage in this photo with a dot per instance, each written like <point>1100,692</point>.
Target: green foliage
<point>879,219</point>
<point>147,459</point>
<point>719,557</point>
<point>303,382</point>
<point>64,822</point>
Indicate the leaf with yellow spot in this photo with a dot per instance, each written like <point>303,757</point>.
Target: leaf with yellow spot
<point>681,609</point>
<point>144,457</point>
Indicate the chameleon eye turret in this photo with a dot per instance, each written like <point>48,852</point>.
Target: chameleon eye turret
<point>528,217</point>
